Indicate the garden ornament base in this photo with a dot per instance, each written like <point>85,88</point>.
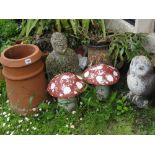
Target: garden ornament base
<point>23,70</point>
<point>68,104</point>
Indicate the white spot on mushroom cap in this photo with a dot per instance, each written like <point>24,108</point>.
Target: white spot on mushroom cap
<point>79,77</point>
<point>109,78</point>
<point>79,85</point>
<point>86,74</point>
<point>99,67</point>
<point>99,79</point>
<point>52,86</point>
<point>75,92</point>
<point>115,73</point>
<point>65,77</point>
<point>66,90</point>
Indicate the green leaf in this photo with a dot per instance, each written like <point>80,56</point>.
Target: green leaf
<point>44,106</point>
<point>65,23</point>
<point>85,25</point>
<point>31,23</point>
<point>49,115</point>
<point>23,32</point>
<point>58,25</point>
<point>119,107</point>
<point>74,25</point>
<point>103,28</point>
<point>31,100</point>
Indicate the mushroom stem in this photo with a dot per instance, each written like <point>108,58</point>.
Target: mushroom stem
<point>102,92</point>
<point>68,104</point>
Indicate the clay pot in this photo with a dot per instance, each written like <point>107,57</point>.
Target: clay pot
<point>23,70</point>
<point>98,54</point>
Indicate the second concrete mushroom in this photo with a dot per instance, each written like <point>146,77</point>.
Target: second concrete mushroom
<point>65,87</point>
<point>101,76</point>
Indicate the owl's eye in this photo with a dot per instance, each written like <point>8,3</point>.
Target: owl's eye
<point>141,68</point>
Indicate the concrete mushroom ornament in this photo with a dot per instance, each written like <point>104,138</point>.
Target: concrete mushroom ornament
<point>102,76</point>
<point>66,87</point>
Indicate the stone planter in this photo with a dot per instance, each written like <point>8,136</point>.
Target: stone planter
<point>23,69</point>
<point>98,54</point>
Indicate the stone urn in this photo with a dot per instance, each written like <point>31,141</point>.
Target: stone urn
<point>98,54</point>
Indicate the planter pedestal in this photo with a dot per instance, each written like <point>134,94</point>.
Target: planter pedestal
<point>68,104</point>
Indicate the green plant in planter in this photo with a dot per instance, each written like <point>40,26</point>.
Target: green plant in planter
<point>85,31</point>
<point>124,46</point>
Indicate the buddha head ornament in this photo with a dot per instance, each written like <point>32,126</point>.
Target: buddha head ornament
<point>59,42</point>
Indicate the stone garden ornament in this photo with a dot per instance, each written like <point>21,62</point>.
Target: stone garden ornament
<point>65,87</point>
<point>141,81</point>
<point>61,59</point>
<point>102,76</point>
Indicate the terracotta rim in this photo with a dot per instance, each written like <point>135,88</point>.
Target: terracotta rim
<point>103,46</point>
<point>21,62</point>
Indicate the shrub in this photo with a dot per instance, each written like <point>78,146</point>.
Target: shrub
<point>8,28</point>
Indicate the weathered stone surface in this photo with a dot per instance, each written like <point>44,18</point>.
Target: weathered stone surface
<point>102,92</point>
<point>140,79</point>
<point>119,25</point>
<point>68,104</point>
<point>139,101</point>
<point>61,59</point>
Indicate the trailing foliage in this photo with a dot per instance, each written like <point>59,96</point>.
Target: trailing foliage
<point>124,46</point>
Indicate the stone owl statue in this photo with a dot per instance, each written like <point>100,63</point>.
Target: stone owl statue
<point>140,81</point>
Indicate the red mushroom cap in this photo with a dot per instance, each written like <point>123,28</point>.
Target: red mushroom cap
<point>101,75</point>
<point>66,85</point>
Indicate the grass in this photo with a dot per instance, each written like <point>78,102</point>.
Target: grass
<point>113,117</point>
